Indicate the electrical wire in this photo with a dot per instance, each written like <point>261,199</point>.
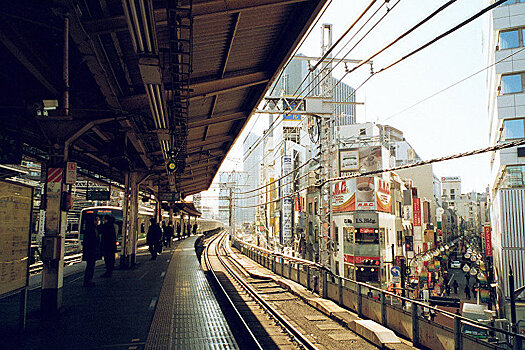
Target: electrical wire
<point>279,120</point>
<point>294,53</point>
<point>452,85</point>
<point>498,147</point>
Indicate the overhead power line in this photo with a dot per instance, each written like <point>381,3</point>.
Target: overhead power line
<point>498,147</point>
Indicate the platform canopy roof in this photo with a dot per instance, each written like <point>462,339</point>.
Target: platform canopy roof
<point>132,107</point>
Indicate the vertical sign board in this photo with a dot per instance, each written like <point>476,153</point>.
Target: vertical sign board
<point>488,240</point>
<point>287,202</point>
<point>54,188</point>
<point>15,227</point>
<point>416,207</point>
<point>71,173</point>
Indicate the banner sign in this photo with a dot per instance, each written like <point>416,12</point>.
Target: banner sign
<point>359,259</point>
<point>487,235</point>
<point>416,208</point>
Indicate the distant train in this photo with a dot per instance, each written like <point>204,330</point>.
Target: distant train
<point>144,216</point>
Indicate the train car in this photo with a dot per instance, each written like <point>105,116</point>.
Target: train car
<point>144,216</point>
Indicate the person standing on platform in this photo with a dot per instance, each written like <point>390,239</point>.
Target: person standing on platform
<point>467,292</point>
<point>108,244</point>
<point>168,235</point>
<point>153,238</point>
<point>90,249</point>
<point>178,230</point>
<point>194,229</point>
<point>455,285</point>
<point>188,229</point>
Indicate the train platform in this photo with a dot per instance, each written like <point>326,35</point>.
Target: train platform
<point>161,304</point>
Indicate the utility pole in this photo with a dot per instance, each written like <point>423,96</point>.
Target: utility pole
<point>325,144</point>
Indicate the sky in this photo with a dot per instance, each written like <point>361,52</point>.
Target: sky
<point>452,122</point>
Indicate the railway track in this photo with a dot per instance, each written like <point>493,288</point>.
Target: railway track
<point>263,325</point>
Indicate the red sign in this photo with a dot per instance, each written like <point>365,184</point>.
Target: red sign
<point>440,232</point>
<point>487,234</point>
<point>359,259</point>
<point>54,174</point>
<point>416,208</point>
<point>366,230</point>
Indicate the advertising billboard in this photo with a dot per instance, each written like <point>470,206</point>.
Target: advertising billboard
<point>383,195</point>
<point>343,196</point>
<point>365,193</point>
<point>360,159</point>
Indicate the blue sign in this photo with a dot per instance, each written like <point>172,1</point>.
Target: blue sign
<point>395,271</point>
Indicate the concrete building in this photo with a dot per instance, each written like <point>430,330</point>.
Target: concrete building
<point>451,186</point>
<point>507,122</point>
<point>251,162</point>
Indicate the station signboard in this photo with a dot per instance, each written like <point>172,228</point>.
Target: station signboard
<point>169,196</point>
<point>97,195</point>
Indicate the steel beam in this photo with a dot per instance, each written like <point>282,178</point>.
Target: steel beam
<point>201,10</point>
<point>214,87</point>
<point>209,141</point>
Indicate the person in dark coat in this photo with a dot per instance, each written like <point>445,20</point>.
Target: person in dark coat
<point>90,249</point>
<point>194,229</point>
<point>188,229</point>
<point>178,230</point>
<point>467,292</point>
<point>168,236</point>
<point>153,238</point>
<point>455,285</point>
<point>108,244</point>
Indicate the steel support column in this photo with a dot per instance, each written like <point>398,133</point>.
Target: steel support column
<point>53,243</point>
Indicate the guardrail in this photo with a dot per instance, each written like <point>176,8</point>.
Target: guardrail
<point>405,316</point>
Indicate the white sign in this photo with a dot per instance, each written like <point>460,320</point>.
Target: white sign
<point>71,173</point>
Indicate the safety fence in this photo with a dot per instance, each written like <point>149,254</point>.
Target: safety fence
<point>426,326</point>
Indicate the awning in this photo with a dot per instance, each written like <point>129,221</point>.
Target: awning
<point>188,208</point>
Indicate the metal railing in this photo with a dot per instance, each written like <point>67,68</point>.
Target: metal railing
<point>423,324</point>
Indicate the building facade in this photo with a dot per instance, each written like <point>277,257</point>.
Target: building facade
<point>506,123</point>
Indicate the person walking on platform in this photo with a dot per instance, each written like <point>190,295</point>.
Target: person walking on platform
<point>168,235</point>
<point>108,244</point>
<point>467,292</point>
<point>455,286</point>
<point>153,238</point>
<point>90,249</point>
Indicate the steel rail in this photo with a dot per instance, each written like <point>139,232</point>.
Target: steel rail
<point>225,294</point>
<point>298,336</point>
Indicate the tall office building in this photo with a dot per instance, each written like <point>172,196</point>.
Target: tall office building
<point>506,119</point>
<point>291,84</point>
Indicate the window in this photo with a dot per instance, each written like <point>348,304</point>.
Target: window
<point>508,40</point>
<point>513,129</point>
<point>362,132</point>
<point>513,176</point>
<point>511,84</point>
